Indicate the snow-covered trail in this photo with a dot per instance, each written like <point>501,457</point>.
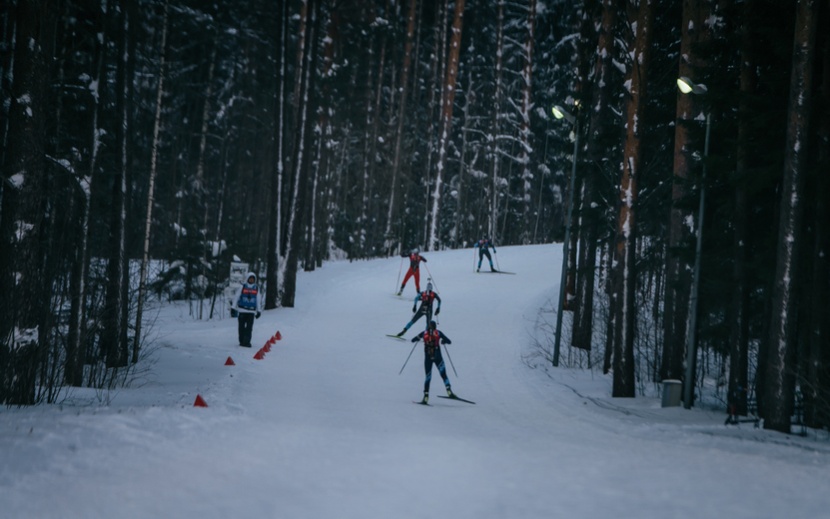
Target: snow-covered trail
<point>323,426</point>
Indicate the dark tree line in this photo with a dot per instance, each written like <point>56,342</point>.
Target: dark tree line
<point>288,133</point>
<point>710,261</point>
<point>173,135</point>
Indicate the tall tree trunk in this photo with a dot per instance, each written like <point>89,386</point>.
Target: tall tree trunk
<point>678,268</point>
<point>524,125</point>
<point>495,127</point>
<point>403,95</point>
<point>275,205</point>
<point>582,63</point>
<point>22,208</point>
<point>151,188</point>
<point>300,163</point>
<point>316,253</point>
<point>76,348</point>
<point>739,320</point>
<point>817,388</point>
<point>115,327</point>
<point>199,188</point>
<point>366,179</point>
<point>461,186</point>
<point>625,272</point>
<point>780,376</point>
<point>438,67</point>
<point>450,82</point>
<point>600,128</point>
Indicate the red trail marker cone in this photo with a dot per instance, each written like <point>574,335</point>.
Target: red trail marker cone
<point>230,362</point>
<point>267,347</point>
<point>200,402</point>
<point>277,335</point>
<point>259,355</point>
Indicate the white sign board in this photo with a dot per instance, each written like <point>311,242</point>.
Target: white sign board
<point>238,271</point>
<point>236,278</point>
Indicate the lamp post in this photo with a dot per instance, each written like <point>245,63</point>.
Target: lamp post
<point>561,113</point>
<point>686,86</point>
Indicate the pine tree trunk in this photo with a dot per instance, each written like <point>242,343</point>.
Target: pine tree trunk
<point>148,220</point>
<point>315,246</point>
<point>495,127</point>
<point>461,186</point>
<point>434,242</point>
<point>403,96</point>
<point>75,348</point>
<point>298,209</point>
<point>780,376</point>
<point>737,389</point>
<point>115,327</point>
<point>601,117</point>
<point>817,388</point>
<point>524,125</point>
<point>275,207</point>
<point>435,106</point>
<point>22,205</point>
<point>625,272</point>
<point>678,266</point>
<point>360,230</point>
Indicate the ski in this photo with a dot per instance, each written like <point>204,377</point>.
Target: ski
<point>496,272</point>
<point>454,397</point>
<point>421,403</point>
<point>396,337</point>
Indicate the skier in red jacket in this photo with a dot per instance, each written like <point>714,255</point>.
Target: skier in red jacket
<point>426,299</point>
<point>415,260</point>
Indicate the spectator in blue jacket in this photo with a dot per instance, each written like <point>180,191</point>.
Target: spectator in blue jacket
<point>247,306</point>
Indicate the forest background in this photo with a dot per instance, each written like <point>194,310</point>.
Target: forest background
<point>293,132</point>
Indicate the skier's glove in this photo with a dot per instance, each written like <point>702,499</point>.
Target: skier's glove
<point>234,313</point>
<point>258,314</point>
<point>416,338</point>
<point>414,310</point>
<point>438,311</point>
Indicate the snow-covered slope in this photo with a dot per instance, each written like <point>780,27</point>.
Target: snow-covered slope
<point>323,427</point>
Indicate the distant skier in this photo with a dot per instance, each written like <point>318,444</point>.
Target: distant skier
<point>427,297</point>
<point>432,338</point>
<point>484,245</point>
<point>415,260</point>
<point>246,307</point>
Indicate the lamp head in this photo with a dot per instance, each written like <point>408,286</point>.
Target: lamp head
<point>687,86</point>
<point>561,113</point>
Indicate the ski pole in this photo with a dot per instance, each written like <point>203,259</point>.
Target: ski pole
<point>407,358</point>
<point>432,278</point>
<point>497,260</point>
<point>474,259</point>
<point>447,351</point>
<point>400,269</point>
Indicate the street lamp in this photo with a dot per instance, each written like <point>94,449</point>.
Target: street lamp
<point>686,86</point>
<point>561,113</point>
